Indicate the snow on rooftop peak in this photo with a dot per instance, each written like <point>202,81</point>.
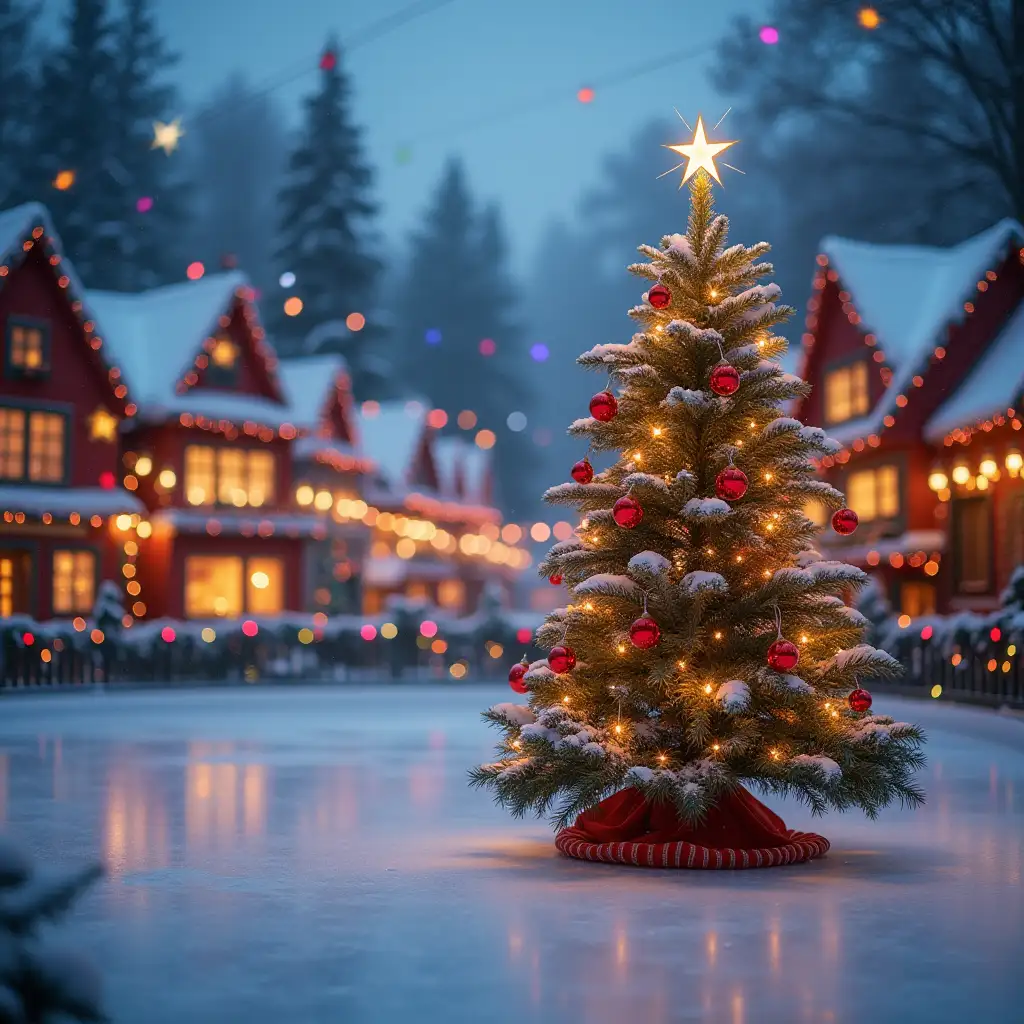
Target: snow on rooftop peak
<point>905,294</point>
<point>308,385</point>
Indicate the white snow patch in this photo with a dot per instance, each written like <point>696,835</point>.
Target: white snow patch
<point>733,695</point>
<point>707,508</point>
<point>608,583</point>
<point>680,244</point>
<point>797,685</point>
<point>701,582</point>
<point>817,437</point>
<point>641,773</point>
<point>650,561</point>
<point>694,399</point>
<point>609,353</point>
<point>521,714</point>
<point>656,483</point>
<point>824,764</point>
<point>781,425</point>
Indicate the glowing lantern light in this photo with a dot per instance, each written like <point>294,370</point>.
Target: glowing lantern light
<point>516,422</point>
<point>585,95</point>
<point>428,628</point>
<point>143,465</point>
<point>292,306</point>
<point>961,474</point>
<point>195,271</point>
<point>249,627</point>
<point>937,480</point>
<point>355,322</point>
<point>28,639</point>
<point>437,418</point>
<point>64,180</point>
<point>539,352</point>
<point>304,495</point>
<point>287,279</point>
<point>389,631</point>
<point>485,439</point>
<point>107,480</point>
<point>540,532</point>
<point>995,634</point>
<point>926,633</point>
<point>467,419</point>
<point>524,636</point>
<point>260,580</point>
<point>869,18</point>
<point>488,347</point>
<point>988,467</point>
<point>1014,462</point>
<point>368,632</point>
<point>167,634</point>
<point>208,635</point>
<point>769,35</point>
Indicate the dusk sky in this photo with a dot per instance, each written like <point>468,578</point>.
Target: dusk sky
<point>493,81</point>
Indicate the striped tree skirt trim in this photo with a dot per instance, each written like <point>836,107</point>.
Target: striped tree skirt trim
<point>802,846</point>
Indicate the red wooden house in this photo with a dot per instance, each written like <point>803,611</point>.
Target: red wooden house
<point>208,452</point>
<point>66,521</point>
<point>916,355</point>
<point>329,471</point>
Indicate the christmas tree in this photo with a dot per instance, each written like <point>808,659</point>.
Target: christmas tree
<point>326,211</point>
<point>707,644</point>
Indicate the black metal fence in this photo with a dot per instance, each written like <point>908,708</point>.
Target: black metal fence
<point>395,647</point>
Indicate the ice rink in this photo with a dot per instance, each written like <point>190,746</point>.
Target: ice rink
<point>297,856</point>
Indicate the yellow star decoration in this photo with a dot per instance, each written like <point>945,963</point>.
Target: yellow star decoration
<point>102,425</point>
<point>700,154</point>
<point>167,136</point>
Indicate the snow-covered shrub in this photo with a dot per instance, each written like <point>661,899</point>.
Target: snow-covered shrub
<point>40,982</point>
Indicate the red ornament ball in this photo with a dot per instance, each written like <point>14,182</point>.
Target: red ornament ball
<point>515,676</point>
<point>844,522</point>
<point>725,380</point>
<point>582,472</point>
<point>659,296</point>
<point>604,406</point>
<point>627,512</point>
<point>783,656</point>
<point>555,579</point>
<point>731,484</point>
<point>644,633</point>
<point>860,700</point>
<point>562,659</point>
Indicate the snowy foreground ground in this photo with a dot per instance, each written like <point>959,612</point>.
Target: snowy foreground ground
<point>310,855</point>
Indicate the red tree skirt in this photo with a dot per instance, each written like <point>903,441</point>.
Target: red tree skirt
<point>738,833</point>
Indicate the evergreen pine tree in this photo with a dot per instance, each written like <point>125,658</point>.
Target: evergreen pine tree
<point>18,96</point>
<point>460,343</point>
<point>73,132</point>
<point>684,577</point>
<point>326,212</point>
<point>150,253</point>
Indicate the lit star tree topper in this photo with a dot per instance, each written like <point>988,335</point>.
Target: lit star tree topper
<point>700,154</point>
<point>167,136</point>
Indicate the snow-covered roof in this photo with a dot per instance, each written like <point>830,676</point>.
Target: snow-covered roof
<point>250,523</point>
<point>906,543</point>
<point>86,501</point>
<point>906,294</point>
<point>391,436</point>
<point>308,384</point>
<point>156,335</point>
<point>462,469</point>
<point>235,406</point>
<point>993,385</point>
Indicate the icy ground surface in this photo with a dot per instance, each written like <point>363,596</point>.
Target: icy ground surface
<point>312,855</point>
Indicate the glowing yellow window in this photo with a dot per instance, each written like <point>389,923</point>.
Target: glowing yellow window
<point>451,594</point>
<point>264,586</point>
<point>200,475</point>
<point>231,488</point>
<point>12,444</point>
<point>26,347</point>
<point>213,586</point>
<point>874,493</point>
<point>46,447</point>
<point>74,582</point>
<point>846,392</point>
<point>261,478</point>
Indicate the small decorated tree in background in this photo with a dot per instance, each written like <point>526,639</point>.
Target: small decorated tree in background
<point>706,644</point>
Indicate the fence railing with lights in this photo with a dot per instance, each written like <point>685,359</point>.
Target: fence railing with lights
<point>411,641</point>
<point>965,657</point>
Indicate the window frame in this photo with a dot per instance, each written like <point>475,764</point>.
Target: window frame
<point>12,371</point>
<point>846,365</point>
<point>246,453</point>
<point>247,587</point>
<point>66,412</point>
<point>74,549</point>
<point>982,586</point>
<point>16,549</point>
<point>874,469</point>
